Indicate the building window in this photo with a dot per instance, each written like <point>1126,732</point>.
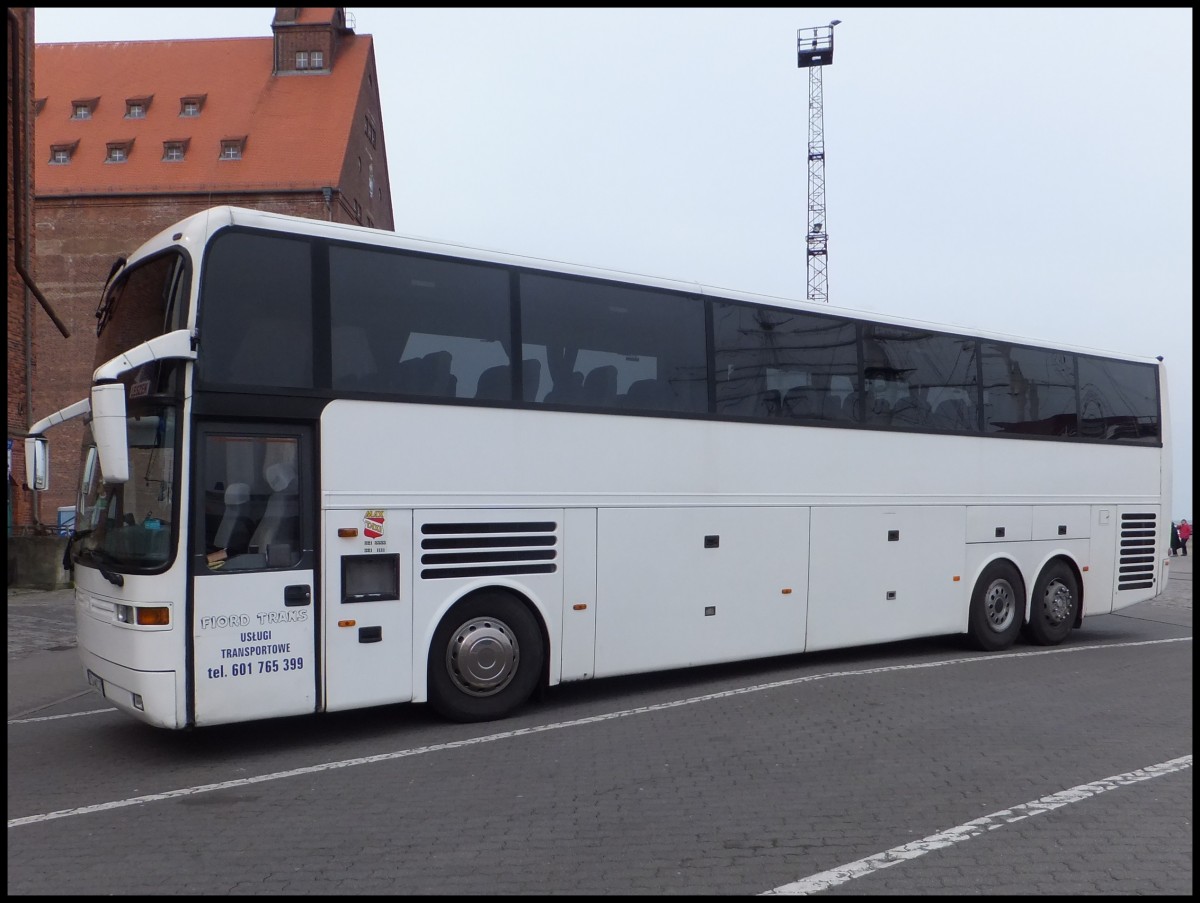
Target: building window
<point>231,148</point>
<point>61,154</point>
<point>301,59</point>
<point>369,130</point>
<point>191,104</point>
<point>83,109</point>
<point>370,222</point>
<point>174,151</point>
<point>118,151</point>
<point>318,59</point>
<point>136,107</point>
<point>357,212</point>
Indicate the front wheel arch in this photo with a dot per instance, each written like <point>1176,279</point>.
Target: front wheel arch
<point>511,666</point>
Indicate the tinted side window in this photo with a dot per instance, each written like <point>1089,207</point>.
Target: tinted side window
<point>778,363</point>
<point>1118,401</point>
<point>1028,391</point>
<point>607,346</point>
<point>916,378</point>
<point>414,326</point>
<point>255,316</point>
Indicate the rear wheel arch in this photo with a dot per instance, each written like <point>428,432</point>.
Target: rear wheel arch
<point>1056,602</point>
<point>998,605</point>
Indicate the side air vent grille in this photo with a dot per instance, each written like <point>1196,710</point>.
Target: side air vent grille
<point>488,549</point>
<point>1136,567</point>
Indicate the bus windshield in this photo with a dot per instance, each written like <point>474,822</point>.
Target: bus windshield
<point>128,526</point>
<point>145,301</point>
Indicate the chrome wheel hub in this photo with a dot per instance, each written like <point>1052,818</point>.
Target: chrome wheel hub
<point>1057,603</point>
<point>1000,604</point>
<point>482,656</point>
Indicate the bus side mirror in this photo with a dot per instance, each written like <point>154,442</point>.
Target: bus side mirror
<point>37,463</point>
<point>108,429</point>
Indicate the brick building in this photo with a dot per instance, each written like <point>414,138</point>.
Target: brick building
<point>131,136</point>
<point>23,290</point>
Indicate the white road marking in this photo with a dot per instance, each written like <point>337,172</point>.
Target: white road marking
<point>844,873</point>
<point>59,717</point>
<point>579,722</point>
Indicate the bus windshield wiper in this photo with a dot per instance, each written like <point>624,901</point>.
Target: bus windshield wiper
<point>111,576</point>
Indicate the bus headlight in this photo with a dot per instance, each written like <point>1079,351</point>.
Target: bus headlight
<point>144,615</point>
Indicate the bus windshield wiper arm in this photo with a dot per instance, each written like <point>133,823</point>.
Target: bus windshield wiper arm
<point>75,534</point>
<point>111,576</point>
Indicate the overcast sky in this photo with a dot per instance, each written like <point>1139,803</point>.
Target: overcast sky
<point>1018,170</point>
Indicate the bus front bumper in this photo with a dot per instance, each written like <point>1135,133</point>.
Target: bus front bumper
<point>146,695</point>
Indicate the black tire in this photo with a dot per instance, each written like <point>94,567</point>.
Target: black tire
<point>997,607</point>
<point>1055,604</point>
<point>486,658</point>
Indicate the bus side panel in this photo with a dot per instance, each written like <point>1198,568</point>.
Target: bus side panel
<point>690,586</point>
<point>886,573</point>
<point>1139,556</point>
<point>368,607</point>
<point>1099,578</point>
<point>578,645</point>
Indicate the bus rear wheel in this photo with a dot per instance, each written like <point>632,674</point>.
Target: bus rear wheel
<point>486,658</point>
<point>996,607</point>
<point>1055,605</point>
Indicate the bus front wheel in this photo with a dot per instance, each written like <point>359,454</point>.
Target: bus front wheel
<point>486,658</point>
<point>1055,605</point>
<point>996,607</point>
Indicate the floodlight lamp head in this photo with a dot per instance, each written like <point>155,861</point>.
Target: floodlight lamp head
<point>835,22</point>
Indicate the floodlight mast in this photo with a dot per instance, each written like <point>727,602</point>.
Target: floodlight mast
<point>814,51</point>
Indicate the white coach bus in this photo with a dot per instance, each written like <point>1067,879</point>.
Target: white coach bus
<point>329,467</point>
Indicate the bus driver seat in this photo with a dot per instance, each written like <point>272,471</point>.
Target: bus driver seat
<point>280,521</point>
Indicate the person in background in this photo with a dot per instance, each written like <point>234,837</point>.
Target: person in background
<point>1174,538</point>
<point>1185,533</point>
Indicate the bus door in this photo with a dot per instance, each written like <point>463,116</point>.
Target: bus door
<point>254,592</point>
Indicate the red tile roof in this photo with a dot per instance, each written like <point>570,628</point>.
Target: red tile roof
<point>297,126</point>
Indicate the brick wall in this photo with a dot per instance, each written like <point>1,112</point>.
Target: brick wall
<point>19,56</point>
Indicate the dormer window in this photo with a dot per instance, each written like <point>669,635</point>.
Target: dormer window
<point>232,148</point>
<point>136,107</point>
<point>191,104</point>
<point>174,151</point>
<point>310,59</point>
<point>61,154</point>
<point>118,151</point>
<point>83,109</point>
